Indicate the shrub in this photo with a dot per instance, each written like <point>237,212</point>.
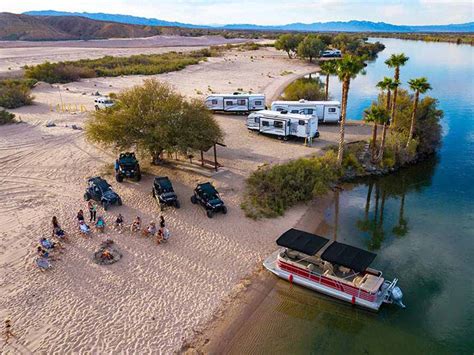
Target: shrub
<point>272,190</point>
<point>6,117</point>
<point>15,93</point>
<point>305,88</point>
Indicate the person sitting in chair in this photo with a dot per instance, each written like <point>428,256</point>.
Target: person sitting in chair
<point>136,225</point>
<point>57,231</point>
<point>84,228</point>
<point>150,231</point>
<point>119,221</point>
<point>100,224</point>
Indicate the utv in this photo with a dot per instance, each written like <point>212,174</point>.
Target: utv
<point>209,198</point>
<point>163,192</point>
<point>127,166</point>
<point>99,190</point>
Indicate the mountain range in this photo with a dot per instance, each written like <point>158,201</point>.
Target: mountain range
<point>335,26</point>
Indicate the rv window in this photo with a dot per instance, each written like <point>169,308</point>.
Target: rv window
<point>294,111</point>
<point>301,122</point>
<point>278,124</point>
<point>241,102</point>
<point>279,109</point>
<point>332,109</point>
<point>214,102</point>
<point>258,103</point>
<point>265,123</point>
<point>257,119</point>
<point>229,103</point>
<point>309,111</point>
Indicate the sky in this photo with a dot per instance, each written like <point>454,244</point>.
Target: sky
<point>266,12</point>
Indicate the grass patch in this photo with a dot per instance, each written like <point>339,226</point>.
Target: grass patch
<point>110,66</point>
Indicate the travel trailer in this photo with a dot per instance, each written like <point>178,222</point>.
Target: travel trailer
<point>331,53</point>
<point>102,103</point>
<point>283,125</point>
<point>324,111</point>
<point>236,102</point>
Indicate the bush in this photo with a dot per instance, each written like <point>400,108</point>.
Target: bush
<point>6,117</point>
<point>305,88</point>
<point>15,93</point>
<point>270,191</point>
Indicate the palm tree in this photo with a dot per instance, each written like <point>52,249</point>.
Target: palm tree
<point>387,84</point>
<point>419,86</point>
<point>377,115</point>
<point>328,68</point>
<point>347,69</point>
<point>396,61</point>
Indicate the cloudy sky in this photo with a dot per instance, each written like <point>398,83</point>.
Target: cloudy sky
<point>267,12</point>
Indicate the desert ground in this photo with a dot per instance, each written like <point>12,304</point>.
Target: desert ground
<point>156,297</point>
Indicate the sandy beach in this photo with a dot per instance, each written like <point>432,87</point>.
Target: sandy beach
<point>157,297</point>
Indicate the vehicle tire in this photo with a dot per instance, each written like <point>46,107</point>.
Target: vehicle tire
<point>138,177</point>
<point>87,197</point>
<point>209,213</point>
<point>119,178</point>
<point>119,201</point>
<point>193,200</point>
<point>105,205</point>
<point>285,138</point>
<point>177,204</point>
<point>316,135</point>
<point>161,207</point>
<point>153,193</point>
<point>224,210</point>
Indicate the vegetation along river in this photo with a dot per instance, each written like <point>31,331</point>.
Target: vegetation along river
<point>420,222</point>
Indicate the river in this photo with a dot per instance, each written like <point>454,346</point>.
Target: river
<point>419,221</point>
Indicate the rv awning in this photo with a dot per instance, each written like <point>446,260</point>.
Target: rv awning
<point>301,241</point>
<point>348,256</point>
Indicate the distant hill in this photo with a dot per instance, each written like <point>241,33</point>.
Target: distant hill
<point>34,28</point>
<point>349,26</point>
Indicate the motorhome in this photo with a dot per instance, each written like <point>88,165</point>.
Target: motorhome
<point>236,102</point>
<point>103,103</point>
<point>331,53</point>
<point>284,125</point>
<point>324,111</point>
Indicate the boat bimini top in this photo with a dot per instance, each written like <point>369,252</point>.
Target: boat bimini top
<point>336,253</point>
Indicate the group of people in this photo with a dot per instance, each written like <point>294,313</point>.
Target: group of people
<point>48,247</point>
<point>162,234</point>
<point>99,221</point>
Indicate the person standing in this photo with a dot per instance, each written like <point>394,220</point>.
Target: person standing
<point>92,211</point>
<point>162,221</point>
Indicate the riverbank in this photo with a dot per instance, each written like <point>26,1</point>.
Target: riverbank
<point>216,336</point>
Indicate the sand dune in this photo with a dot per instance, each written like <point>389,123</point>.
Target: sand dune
<point>156,296</point>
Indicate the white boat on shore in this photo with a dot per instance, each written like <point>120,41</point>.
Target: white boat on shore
<point>335,269</point>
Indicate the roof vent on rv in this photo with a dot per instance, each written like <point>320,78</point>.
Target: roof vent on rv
<point>302,101</point>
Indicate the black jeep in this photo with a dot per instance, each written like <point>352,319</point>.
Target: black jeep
<point>99,190</point>
<point>127,166</point>
<point>163,192</point>
<point>209,198</point>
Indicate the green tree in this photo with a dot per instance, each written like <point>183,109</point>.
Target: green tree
<point>310,47</point>
<point>153,118</point>
<point>395,61</point>
<point>419,86</point>
<point>288,43</point>
<point>377,115</point>
<point>328,68</point>
<point>347,68</point>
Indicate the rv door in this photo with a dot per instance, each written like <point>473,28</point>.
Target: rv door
<point>332,113</point>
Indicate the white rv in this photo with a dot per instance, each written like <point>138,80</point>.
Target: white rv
<point>324,111</point>
<point>103,103</point>
<point>283,125</point>
<point>236,102</point>
<point>331,53</point>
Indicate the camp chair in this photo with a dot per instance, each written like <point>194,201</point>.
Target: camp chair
<point>43,264</point>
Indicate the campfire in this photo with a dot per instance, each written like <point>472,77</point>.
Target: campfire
<point>107,253</point>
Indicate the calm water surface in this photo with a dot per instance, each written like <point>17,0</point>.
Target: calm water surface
<point>419,221</point>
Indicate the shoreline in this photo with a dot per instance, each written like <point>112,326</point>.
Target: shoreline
<point>226,322</point>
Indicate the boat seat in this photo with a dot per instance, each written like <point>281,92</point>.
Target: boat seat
<point>371,283</point>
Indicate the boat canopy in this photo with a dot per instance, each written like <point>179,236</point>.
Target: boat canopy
<point>301,241</point>
<point>348,256</point>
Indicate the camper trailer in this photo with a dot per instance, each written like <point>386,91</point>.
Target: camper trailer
<point>331,53</point>
<point>283,125</point>
<point>324,111</point>
<point>236,102</point>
